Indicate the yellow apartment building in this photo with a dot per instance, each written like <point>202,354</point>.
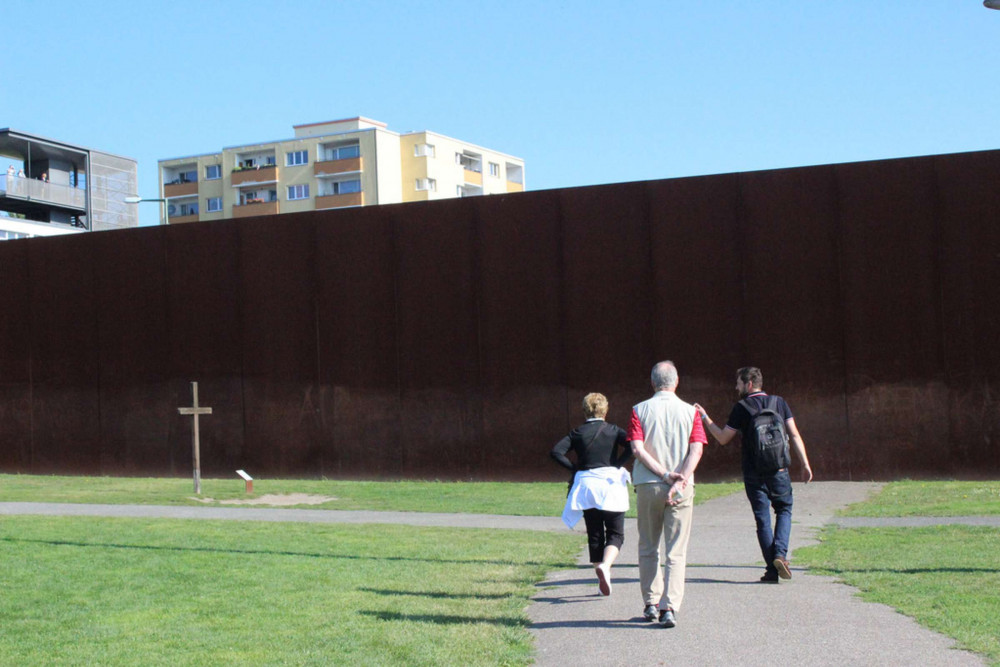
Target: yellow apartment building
<point>336,164</point>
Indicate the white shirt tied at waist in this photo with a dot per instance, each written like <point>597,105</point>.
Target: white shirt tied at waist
<point>600,488</point>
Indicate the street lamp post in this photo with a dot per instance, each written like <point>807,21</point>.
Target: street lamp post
<point>163,202</point>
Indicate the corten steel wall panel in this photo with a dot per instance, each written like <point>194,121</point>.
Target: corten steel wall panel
<point>132,342</point>
<point>437,283</point>
<point>281,399</point>
<point>356,306</point>
<point>792,300</point>
<point>890,273</point>
<point>203,297</point>
<point>525,406</point>
<point>65,358</point>
<point>15,358</point>
<point>970,276</point>
<point>697,298</point>
<point>606,283</point>
<point>474,323</point>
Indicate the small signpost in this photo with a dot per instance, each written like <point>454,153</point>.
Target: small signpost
<point>246,478</point>
<point>195,410</point>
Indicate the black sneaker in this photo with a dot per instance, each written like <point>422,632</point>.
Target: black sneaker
<point>649,613</point>
<point>769,578</point>
<point>667,618</point>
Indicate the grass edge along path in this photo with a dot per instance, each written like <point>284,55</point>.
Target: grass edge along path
<point>931,498</point>
<point>509,498</point>
<point>947,578</point>
<point>177,592</point>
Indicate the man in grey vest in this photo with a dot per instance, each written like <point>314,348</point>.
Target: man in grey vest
<point>667,440</point>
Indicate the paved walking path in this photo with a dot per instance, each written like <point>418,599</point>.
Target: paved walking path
<point>727,619</point>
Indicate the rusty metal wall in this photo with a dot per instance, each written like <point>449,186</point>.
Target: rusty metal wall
<point>455,339</point>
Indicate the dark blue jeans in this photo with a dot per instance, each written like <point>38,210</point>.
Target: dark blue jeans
<point>764,493</point>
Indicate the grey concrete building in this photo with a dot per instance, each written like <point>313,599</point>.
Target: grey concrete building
<point>50,187</point>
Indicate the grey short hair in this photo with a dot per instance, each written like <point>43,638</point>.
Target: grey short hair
<point>664,375</point>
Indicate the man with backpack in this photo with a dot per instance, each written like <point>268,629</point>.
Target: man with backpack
<point>766,425</point>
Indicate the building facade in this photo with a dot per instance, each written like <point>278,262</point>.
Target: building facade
<point>336,164</point>
<point>51,187</point>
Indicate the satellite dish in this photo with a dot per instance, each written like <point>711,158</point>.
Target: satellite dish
<point>172,209</point>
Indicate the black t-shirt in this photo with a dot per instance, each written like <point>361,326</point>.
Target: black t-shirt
<point>739,420</point>
<point>597,444</point>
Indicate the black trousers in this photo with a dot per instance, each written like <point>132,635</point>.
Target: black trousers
<point>604,529</point>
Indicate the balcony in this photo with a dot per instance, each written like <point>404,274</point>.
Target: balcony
<point>473,177</point>
<point>342,166</point>
<point>340,201</point>
<point>257,175</point>
<point>515,187</point>
<point>180,189</point>
<point>178,219</point>
<point>30,189</point>
<point>253,208</point>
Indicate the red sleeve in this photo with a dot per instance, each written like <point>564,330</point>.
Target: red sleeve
<point>635,431</point>
<point>698,431</point>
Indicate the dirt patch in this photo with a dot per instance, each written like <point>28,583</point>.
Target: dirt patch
<point>276,500</point>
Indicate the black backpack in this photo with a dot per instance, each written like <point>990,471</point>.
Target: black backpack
<point>767,438</point>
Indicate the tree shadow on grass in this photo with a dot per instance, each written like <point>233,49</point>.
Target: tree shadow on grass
<point>438,594</point>
<point>443,619</point>
<point>269,552</point>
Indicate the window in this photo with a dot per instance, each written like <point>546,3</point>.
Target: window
<point>423,150</point>
<point>298,191</point>
<point>494,169</point>
<point>213,204</point>
<point>296,157</point>
<point>189,176</point>
<point>469,161</point>
<point>345,187</point>
<point>189,209</point>
<point>213,171</point>
<point>344,152</point>
<point>427,184</point>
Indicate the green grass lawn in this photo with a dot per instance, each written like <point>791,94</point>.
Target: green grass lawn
<point>945,577</point>
<point>79,591</point>
<point>174,592</point>
<point>916,498</point>
<point>522,499</point>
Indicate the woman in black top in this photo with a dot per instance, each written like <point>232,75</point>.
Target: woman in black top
<point>600,484</point>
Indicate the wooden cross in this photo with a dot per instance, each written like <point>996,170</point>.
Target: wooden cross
<point>196,410</point>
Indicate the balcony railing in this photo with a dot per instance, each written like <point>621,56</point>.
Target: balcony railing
<point>473,177</point>
<point>340,201</point>
<point>343,166</point>
<point>251,209</point>
<point>30,189</point>
<point>180,189</point>
<point>514,187</point>
<point>256,175</point>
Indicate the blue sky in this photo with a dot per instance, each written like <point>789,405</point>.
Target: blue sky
<point>585,92</point>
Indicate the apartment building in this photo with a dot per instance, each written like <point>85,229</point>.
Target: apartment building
<point>335,164</point>
<point>50,187</point>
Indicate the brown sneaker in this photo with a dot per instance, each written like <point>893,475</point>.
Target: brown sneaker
<point>781,565</point>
